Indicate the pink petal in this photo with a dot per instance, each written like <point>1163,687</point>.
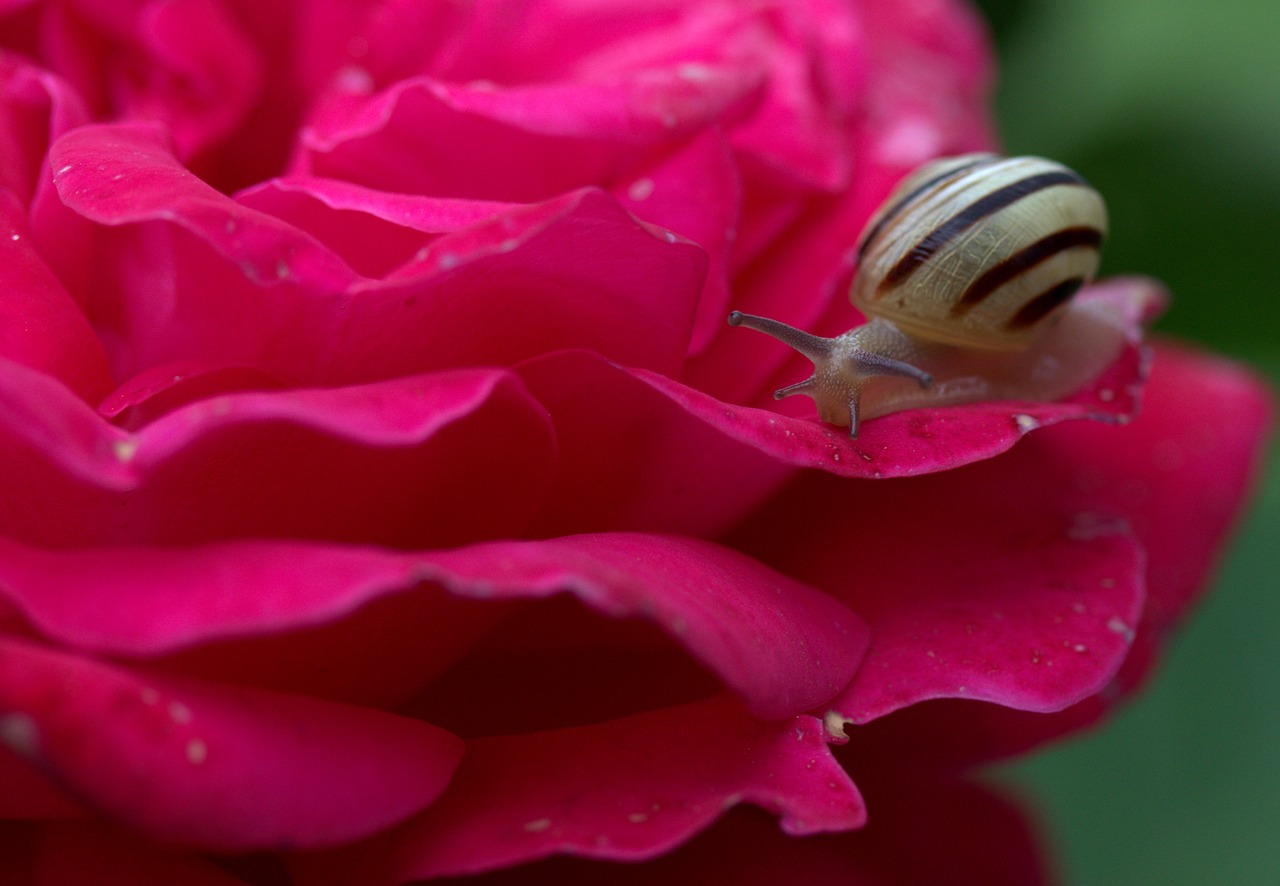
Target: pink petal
<point>349,624</point>
<point>783,647</point>
<point>626,789</point>
<point>521,143</point>
<point>779,645</point>
<point>185,62</point>
<point>35,108</point>
<point>925,829</point>
<point>995,582</point>
<point>374,231</point>
<point>1150,475</point>
<point>575,272</point>
<point>1182,471</point>
<point>162,389</point>
<point>417,461</point>
<point>639,452</point>
<point>794,134</point>
<point>40,325</point>
<point>697,193</point>
<point>220,767</point>
<point>493,290</point>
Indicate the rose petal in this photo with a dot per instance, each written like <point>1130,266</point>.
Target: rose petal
<point>1151,474</point>
<point>574,272</point>
<point>36,107</point>
<point>520,143</point>
<point>970,835</point>
<point>783,647</point>
<point>697,193</point>
<point>1024,595</point>
<point>220,767</point>
<point>410,462</point>
<point>40,325</point>
<point>374,231</point>
<point>162,389</point>
<point>779,645</point>
<point>794,133</point>
<point>354,625</point>
<point>639,452</point>
<point>627,789</point>
<point>183,61</point>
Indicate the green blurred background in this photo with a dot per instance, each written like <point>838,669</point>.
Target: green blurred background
<point>1172,109</point>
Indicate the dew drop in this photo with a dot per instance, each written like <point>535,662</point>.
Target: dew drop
<point>1026,423</point>
<point>641,189</point>
<point>124,450</point>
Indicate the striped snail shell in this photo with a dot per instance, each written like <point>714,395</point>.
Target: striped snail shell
<point>963,273</point>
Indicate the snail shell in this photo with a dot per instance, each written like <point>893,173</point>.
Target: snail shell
<point>963,274</point>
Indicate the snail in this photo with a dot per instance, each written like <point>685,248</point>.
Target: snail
<point>966,275</point>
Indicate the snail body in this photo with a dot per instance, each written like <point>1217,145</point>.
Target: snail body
<point>965,274</point>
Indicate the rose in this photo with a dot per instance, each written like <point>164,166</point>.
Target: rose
<point>384,491</point>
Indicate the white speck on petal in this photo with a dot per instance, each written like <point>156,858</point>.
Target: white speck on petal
<point>1080,647</point>
<point>638,817</point>
<point>179,712</point>
<point>355,80</point>
<point>1026,423</point>
<point>197,751</point>
<point>538,825</point>
<point>124,450</point>
<point>1118,625</point>
<point>64,170</point>
<point>508,245</point>
<point>1106,395</point>
<point>448,261</point>
<point>641,189</point>
<point>149,695</point>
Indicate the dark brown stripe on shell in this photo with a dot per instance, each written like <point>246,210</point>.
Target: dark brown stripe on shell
<point>1024,260</point>
<point>1039,307</point>
<point>915,192</point>
<point>969,216</point>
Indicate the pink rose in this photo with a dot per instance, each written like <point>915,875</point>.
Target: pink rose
<point>385,497</point>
